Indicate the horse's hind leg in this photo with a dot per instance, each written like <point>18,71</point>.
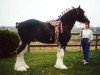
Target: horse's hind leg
<point>21,47</point>
<point>20,64</point>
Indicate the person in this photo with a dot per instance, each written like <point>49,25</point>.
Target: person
<point>86,36</point>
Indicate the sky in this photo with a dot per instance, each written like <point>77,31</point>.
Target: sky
<point>12,11</point>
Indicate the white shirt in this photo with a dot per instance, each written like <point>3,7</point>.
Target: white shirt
<point>87,33</point>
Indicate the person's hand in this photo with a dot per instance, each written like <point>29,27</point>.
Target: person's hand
<point>89,41</point>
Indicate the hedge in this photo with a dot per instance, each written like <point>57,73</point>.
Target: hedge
<point>9,42</point>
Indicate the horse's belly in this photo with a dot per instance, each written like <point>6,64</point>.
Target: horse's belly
<point>46,39</point>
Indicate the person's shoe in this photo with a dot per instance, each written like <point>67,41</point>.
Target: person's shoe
<point>85,62</point>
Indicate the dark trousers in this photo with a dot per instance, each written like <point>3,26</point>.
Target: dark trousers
<point>86,47</point>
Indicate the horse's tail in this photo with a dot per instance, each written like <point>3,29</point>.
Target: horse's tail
<point>17,24</point>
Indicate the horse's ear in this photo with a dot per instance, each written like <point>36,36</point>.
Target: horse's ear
<point>79,7</point>
<point>73,7</point>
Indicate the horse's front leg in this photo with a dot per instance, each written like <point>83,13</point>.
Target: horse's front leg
<point>59,62</point>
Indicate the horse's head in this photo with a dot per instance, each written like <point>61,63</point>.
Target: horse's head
<point>75,14</point>
<point>81,16</point>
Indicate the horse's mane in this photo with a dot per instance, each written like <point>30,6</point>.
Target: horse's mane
<point>69,12</point>
<point>66,12</point>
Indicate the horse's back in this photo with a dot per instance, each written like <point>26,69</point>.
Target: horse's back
<point>34,29</point>
<point>30,23</point>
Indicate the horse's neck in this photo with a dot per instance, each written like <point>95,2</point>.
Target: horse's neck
<point>68,22</point>
<point>68,26</point>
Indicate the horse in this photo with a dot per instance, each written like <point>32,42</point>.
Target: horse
<point>34,30</point>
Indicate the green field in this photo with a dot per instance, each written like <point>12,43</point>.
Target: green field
<point>43,64</point>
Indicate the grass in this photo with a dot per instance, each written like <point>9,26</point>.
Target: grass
<point>43,64</point>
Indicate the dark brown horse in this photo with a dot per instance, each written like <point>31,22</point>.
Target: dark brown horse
<point>34,30</point>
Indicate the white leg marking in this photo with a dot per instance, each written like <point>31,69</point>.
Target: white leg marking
<point>59,61</point>
<point>20,64</point>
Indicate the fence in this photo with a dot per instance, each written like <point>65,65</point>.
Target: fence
<point>75,39</point>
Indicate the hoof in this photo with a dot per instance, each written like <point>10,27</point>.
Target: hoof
<point>27,67</point>
<point>61,66</point>
<point>21,68</point>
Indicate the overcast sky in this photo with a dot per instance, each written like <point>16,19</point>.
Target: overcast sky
<point>12,11</point>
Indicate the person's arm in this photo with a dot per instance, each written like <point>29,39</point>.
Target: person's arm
<point>91,36</point>
<point>81,33</point>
